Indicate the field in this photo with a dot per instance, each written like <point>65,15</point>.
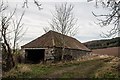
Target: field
<point>113,51</point>
<point>105,67</point>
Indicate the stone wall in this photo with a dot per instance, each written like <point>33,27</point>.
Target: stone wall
<point>56,53</point>
<point>75,53</point>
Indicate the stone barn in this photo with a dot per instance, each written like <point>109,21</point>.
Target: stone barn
<point>50,47</point>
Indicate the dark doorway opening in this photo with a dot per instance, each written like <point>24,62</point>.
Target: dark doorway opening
<point>35,55</point>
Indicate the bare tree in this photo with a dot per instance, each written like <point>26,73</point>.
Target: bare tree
<point>7,49</point>
<point>2,6</point>
<point>6,30</point>
<point>25,4</point>
<point>18,28</point>
<point>64,22</point>
<point>111,18</point>
<point>37,3</point>
<point>46,29</point>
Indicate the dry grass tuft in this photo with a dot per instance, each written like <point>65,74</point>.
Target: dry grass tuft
<point>24,68</point>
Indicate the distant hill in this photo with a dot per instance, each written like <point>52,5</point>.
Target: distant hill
<point>106,43</point>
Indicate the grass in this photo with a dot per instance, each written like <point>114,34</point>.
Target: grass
<point>85,69</point>
<point>109,70</point>
<point>96,68</point>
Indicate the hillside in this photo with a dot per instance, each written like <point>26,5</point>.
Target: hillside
<point>106,43</point>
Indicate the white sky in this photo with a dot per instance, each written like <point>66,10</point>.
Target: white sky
<point>35,20</point>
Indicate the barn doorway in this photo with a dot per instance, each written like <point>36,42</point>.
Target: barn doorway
<point>34,55</point>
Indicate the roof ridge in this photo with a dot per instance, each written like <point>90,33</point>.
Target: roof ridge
<point>61,33</point>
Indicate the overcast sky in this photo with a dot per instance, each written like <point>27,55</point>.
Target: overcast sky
<point>34,20</point>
